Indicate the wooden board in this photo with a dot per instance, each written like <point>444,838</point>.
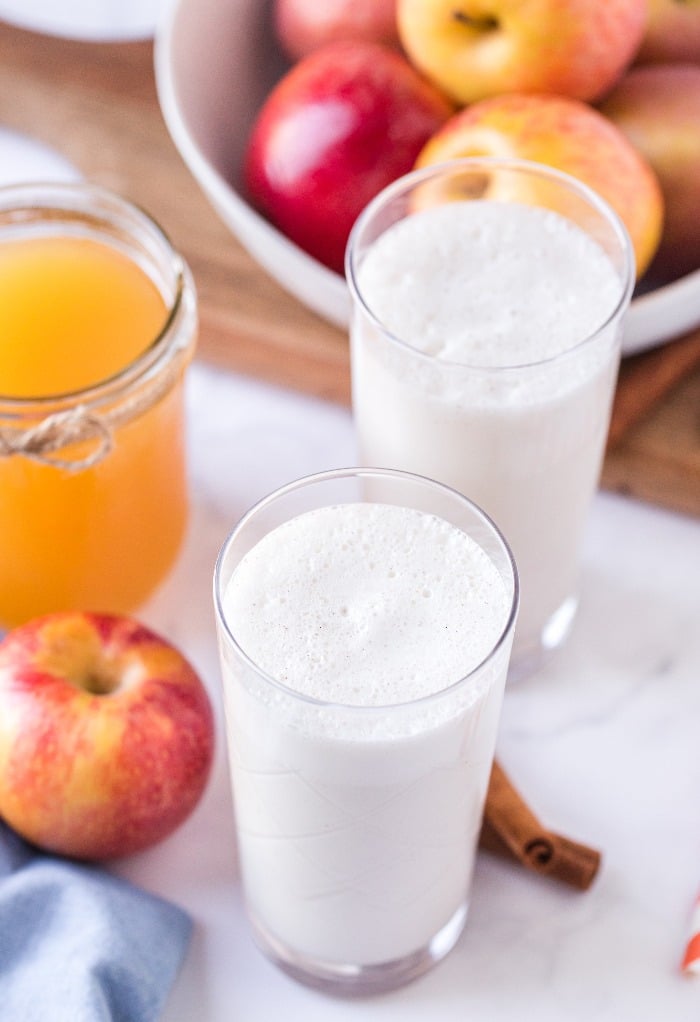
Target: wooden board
<point>96,103</point>
<point>659,459</point>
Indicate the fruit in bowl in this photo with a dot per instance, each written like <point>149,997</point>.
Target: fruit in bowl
<point>472,50</point>
<point>658,108</point>
<point>106,735</point>
<point>672,32</point>
<point>343,123</point>
<point>570,136</point>
<point>304,25</point>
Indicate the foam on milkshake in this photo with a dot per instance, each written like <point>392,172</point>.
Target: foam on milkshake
<point>366,604</point>
<point>489,284</point>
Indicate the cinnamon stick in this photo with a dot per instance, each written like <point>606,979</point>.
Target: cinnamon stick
<point>645,379</point>
<point>510,828</point>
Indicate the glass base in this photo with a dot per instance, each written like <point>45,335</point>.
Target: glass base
<point>360,980</point>
<point>529,655</point>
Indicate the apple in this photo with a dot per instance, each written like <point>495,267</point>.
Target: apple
<point>106,735</point>
<point>473,50</point>
<point>302,26</point>
<point>672,33</point>
<point>339,126</point>
<point>570,136</point>
<point>658,109</point>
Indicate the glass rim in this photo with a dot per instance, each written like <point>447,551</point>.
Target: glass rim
<point>71,198</point>
<point>330,475</point>
<point>415,177</point>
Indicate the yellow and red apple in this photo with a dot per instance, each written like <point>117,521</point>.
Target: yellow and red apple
<point>106,735</point>
<point>472,49</point>
<point>339,126</point>
<point>672,32</point>
<point>302,26</point>
<point>569,136</point>
<point>658,109</point>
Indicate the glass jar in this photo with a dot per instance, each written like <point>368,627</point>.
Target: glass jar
<point>93,495</point>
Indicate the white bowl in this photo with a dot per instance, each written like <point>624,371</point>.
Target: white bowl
<point>215,61</point>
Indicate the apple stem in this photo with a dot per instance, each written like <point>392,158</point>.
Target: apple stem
<point>487,23</point>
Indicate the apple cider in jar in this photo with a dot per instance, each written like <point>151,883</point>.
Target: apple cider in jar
<point>97,325</point>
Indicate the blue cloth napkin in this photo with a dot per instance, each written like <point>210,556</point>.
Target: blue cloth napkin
<point>80,945</point>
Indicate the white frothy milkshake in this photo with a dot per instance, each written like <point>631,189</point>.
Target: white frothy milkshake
<point>473,367</point>
<point>360,773</point>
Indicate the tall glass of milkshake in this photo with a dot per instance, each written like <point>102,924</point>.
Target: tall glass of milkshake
<point>488,297</point>
<point>365,621</point>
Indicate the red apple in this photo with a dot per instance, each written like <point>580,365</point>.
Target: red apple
<point>658,109</point>
<point>472,49</point>
<point>342,124</point>
<point>570,136</point>
<point>304,25</point>
<point>106,735</point>
<point>672,33</point>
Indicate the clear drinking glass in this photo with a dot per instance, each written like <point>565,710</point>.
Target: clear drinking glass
<point>357,825</point>
<point>524,440</point>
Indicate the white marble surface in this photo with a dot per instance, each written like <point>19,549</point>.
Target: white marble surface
<point>604,742</point>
